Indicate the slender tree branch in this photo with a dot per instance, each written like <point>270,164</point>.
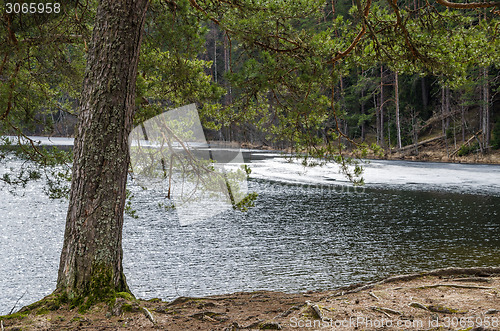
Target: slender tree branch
<point>356,40</point>
<point>11,92</point>
<point>472,5</point>
<point>197,6</point>
<point>406,34</point>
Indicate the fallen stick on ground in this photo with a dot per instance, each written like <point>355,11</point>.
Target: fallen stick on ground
<point>446,285</point>
<point>386,311</point>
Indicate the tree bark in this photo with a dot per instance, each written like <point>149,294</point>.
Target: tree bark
<point>91,258</point>
<point>363,125</point>
<point>396,92</point>
<point>215,53</point>
<point>462,112</point>
<point>425,96</point>
<point>382,143</point>
<point>486,110</point>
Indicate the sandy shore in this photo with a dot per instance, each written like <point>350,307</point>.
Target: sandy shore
<point>445,299</point>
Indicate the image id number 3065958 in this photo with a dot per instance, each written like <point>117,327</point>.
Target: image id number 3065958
<point>32,8</point>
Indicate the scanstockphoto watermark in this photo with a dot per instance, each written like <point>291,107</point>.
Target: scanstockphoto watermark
<point>355,323</point>
<point>334,188</point>
<point>170,153</point>
<point>403,324</point>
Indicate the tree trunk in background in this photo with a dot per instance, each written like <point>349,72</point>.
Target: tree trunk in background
<point>227,68</point>
<point>443,110</point>
<point>414,126</point>
<point>447,114</point>
<point>377,117</point>
<point>215,53</point>
<point>447,108</point>
<point>486,110</point>
<point>462,109</point>
<point>444,115</point>
<point>362,113</point>
<point>382,143</point>
<point>425,96</point>
<point>91,258</point>
<point>396,92</point>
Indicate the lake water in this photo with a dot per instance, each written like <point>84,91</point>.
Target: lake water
<point>304,233</point>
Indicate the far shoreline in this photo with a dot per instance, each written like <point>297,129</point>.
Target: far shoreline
<point>429,153</point>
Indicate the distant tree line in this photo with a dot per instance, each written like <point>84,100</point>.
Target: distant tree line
<point>383,102</point>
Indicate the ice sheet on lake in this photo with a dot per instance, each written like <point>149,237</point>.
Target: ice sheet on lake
<point>465,178</point>
<point>43,141</point>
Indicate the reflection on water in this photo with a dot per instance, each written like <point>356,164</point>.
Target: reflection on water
<point>300,238</point>
<point>296,238</point>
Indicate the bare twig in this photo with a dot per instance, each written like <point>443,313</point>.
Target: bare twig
<point>447,285</point>
<point>418,305</point>
<point>472,279</point>
<point>386,311</point>
<point>12,310</point>
<point>148,315</point>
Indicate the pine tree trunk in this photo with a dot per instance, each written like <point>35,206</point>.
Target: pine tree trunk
<point>396,92</point>
<point>227,68</point>
<point>362,113</point>
<point>91,258</point>
<point>425,96</point>
<point>382,143</point>
<point>377,117</point>
<point>462,109</point>
<point>447,115</point>
<point>486,110</point>
<point>447,108</point>
<point>215,53</point>
<point>443,111</point>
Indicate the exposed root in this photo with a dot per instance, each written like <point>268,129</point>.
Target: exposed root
<point>446,285</point>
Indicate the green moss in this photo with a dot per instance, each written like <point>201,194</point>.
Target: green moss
<point>126,296</point>
<point>444,309</point>
<point>18,315</point>
<point>54,302</point>
<point>101,289</point>
<point>44,306</point>
<point>154,300</point>
<point>42,311</point>
<point>75,302</point>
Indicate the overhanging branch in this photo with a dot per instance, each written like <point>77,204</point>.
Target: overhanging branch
<point>361,33</point>
<point>471,5</point>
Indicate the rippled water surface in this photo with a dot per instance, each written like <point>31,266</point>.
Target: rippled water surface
<point>298,237</point>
